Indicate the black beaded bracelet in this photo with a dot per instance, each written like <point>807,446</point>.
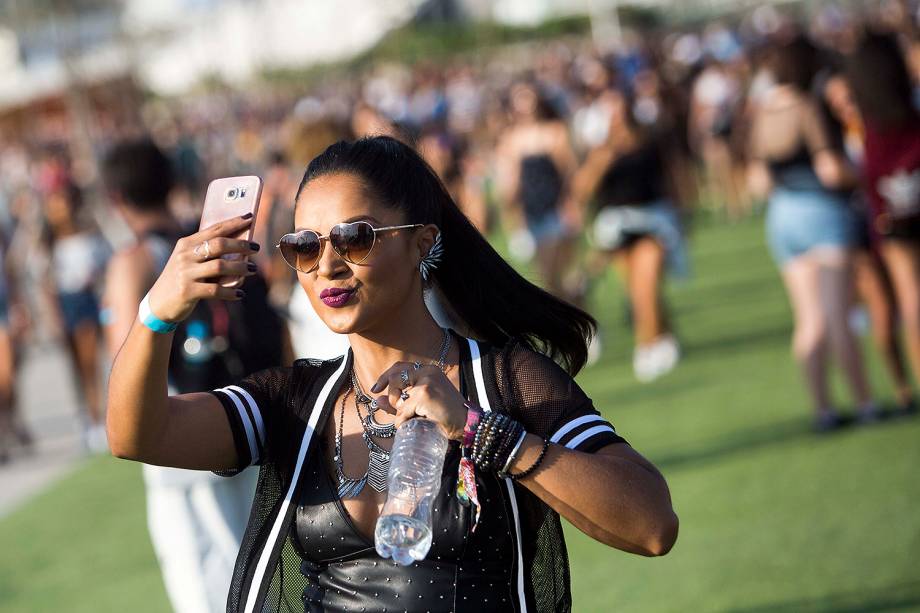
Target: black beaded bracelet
<point>495,437</point>
<point>533,467</point>
<point>497,432</point>
<point>482,440</point>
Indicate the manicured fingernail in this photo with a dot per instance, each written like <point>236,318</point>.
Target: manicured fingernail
<point>240,293</point>
<point>247,216</point>
<point>251,266</point>
<point>377,387</point>
<point>254,246</point>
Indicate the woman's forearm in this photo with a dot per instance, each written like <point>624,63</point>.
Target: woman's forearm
<point>138,394</point>
<point>614,496</point>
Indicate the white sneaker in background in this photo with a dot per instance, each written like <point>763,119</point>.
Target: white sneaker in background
<point>642,364</point>
<point>667,353</point>
<point>656,358</point>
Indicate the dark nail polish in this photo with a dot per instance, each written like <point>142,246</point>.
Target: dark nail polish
<point>247,216</point>
<point>254,246</point>
<point>251,266</point>
<point>240,293</point>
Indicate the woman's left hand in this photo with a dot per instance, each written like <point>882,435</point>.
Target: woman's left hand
<point>431,395</point>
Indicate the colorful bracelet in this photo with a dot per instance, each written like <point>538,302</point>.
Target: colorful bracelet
<point>152,321</point>
<point>473,416</point>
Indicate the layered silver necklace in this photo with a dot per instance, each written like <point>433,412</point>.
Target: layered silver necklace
<point>378,463</point>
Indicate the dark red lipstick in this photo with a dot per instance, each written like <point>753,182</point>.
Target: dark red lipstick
<point>336,296</point>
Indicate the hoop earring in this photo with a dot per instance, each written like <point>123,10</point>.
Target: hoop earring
<point>432,259</point>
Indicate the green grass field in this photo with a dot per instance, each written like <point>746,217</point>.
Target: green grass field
<point>773,518</point>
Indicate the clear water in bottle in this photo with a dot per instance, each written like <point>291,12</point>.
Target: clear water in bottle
<point>403,529</point>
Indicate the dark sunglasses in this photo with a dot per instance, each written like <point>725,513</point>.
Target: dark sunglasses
<point>352,241</point>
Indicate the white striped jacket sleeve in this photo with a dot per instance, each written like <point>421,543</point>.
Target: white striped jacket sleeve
<point>249,407</point>
<point>587,432</point>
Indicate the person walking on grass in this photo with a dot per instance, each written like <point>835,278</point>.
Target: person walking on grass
<point>535,162</point>
<point>811,229</point>
<point>636,227</point>
<point>78,254</point>
<point>870,274</point>
<point>881,85</point>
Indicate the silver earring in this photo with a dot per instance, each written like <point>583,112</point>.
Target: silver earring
<point>432,259</point>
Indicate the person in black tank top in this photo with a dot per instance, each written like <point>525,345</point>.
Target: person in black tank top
<point>625,184</point>
<point>535,163</point>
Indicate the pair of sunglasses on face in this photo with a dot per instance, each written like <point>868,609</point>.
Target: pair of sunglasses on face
<point>353,241</point>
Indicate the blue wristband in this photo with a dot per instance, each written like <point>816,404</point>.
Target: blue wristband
<point>152,321</point>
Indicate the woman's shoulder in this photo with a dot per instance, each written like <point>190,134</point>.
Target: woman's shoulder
<point>520,359</point>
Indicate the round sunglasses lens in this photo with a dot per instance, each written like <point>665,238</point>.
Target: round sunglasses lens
<point>301,250</point>
<point>353,241</point>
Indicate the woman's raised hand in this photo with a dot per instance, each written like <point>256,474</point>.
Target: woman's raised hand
<point>430,395</point>
<point>195,266</point>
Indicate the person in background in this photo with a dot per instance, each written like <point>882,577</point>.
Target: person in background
<point>196,519</point>
<point>12,430</point>
<point>714,102</point>
<point>535,164</point>
<point>78,255</point>
<point>811,229</point>
<point>636,226</point>
<point>882,87</point>
<point>275,212</point>
<point>872,282</point>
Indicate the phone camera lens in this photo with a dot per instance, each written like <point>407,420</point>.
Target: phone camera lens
<point>232,193</point>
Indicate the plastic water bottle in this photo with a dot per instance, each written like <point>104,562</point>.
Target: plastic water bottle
<point>403,529</point>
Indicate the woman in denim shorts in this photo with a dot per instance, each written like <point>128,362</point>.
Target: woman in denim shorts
<point>811,230</point>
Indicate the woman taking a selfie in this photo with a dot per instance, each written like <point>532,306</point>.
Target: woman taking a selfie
<point>376,233</point>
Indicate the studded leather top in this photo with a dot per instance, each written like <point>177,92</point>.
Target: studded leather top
<point>516,556</point>
<point>463,571</point>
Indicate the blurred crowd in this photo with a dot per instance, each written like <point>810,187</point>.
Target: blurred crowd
<point>579,154</point>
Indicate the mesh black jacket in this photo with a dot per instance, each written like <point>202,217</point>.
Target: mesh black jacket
<point>276,416</point>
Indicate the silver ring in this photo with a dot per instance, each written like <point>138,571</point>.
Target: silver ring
<point>403,396</point>
<point>417,365</point>
<point>207,250</point>
<point>404,377</point>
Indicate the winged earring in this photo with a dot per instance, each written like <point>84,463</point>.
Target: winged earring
<point>432,259</point>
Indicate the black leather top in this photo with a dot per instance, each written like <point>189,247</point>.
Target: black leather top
<point>464,571</point>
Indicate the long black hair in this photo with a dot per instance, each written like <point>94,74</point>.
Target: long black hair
<point>481,288</point>
<point>880,82</point>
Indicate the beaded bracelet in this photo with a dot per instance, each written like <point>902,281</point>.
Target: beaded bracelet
<point>483,441</point>
<point>533,467</point>
<point>496,438</point>
<point>488,436</point>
